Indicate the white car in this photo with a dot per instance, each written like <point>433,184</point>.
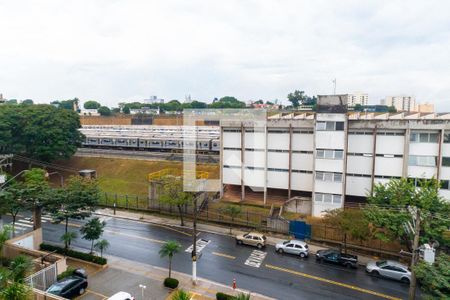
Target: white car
<point>293,247</point>
<point>121,296</point>
<point>390,269</point>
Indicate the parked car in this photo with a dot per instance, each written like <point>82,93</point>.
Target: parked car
<point>71,286</point>
<point>336,257</point>
<point>293,247</point>
<point>121,296</point>
<point>389,269</point>
<point>253,239</point>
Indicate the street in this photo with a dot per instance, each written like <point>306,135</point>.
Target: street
<point>266,272</point>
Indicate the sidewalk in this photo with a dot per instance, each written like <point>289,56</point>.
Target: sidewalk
<point>216,229</point>
<point>204,289</point>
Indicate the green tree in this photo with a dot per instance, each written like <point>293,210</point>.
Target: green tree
<point>101,246</point>
<point>232,211</point>
<point>435,278</point>
<point>92,231</point>
<point>242,296</point>
<point>27,102</point>
<point>392,109</point>
<point>388,211</point>
<point>20,267</point>
<point>5,234</point>
<point>181,295</point>
<point>15,291</point>
<point>91,104</point>
<point>11,201</point>
<point>350,222</point>
<point>358,107</point>
<point>104,111</point>
<point>297,98</point>
<point>35,193</point>
<point>77,200</point>
<point>169,249</point>
<point>126,110</point>
<point>12,101</point>
<point>172,193</point>
<point>67,238</point>
<point>42,132</point>
<point>115,110</point>
<point>227,102</point>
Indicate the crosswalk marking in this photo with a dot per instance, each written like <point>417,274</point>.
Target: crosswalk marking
<point>24,223</point>
<point>201,244</point>
<point>46,218</point>
<point>256,258</point>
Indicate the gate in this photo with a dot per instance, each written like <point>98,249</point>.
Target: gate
<point>300,230</point>
<point>43,279</point>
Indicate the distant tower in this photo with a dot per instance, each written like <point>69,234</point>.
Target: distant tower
<point>187,99</point>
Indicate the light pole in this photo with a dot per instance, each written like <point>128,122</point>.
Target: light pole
<point>142,287</point>
<point>60,176</point>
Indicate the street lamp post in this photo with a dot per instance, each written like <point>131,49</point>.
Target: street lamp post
<point>142,287</point>
<point>60,176</point>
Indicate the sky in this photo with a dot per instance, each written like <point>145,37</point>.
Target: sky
<point>114,51</point>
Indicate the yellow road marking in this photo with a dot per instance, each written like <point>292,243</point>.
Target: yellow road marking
<point>352,287</point>
<point>224,255</point>
<point>170,228</point>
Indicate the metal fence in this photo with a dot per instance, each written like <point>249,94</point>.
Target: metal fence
<point>43,279</point>
<point>246,218</point>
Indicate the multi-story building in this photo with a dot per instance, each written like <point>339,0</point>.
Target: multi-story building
<point>425,108</point>
<point>401,103</point>
<point>332,156</point>
<point>153,100</point>
<point>2,100</point>
<point>358,98</point>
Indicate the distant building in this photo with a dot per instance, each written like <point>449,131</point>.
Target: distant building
<point>89,112</point>
<point>2,100</point>
<point>425,108</point>
<point>358,98</point>
<point>153,100</point>
<point>145,111</point>
<point>401,103</point>
<point>187,99</point>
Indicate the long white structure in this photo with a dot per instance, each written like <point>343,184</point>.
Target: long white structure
<point>333,156</point>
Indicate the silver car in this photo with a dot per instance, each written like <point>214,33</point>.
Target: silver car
<point>389,269</point>
<point>293,247</point>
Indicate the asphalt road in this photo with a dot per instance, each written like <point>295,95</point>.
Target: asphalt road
<point>280,276</point>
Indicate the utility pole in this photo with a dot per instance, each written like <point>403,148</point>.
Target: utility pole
<point>414,259</point>
<point>334,89</point>
<point>194,248</point>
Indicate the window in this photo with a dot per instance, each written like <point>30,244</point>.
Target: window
<point>422,161</point>
<point>423,137</point>
<point>445,184</point>
<point>327,176</point>
<point>446,137</point>
<point>330,154</point>
<point>327,198</point>
<point>329,126</point>
<point>446,161</point>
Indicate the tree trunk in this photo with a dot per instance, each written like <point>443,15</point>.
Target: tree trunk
<point>14,225</point>
<point>170,266</point>
<point>180,210</point>
<point>67,224</point>
<point>92,246</point>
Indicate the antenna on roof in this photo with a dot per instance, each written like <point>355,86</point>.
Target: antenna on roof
<point>334,89</point>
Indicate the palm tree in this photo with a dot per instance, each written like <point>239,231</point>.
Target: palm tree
<point>233,211</point>
<point>67,238</point>
<point>5,234</point>
<point>181,295</point>
<point>242,296</point>
<point>20,266</point>
<point>169,249</point>
<point>101,246</point>
<point>15,291</point>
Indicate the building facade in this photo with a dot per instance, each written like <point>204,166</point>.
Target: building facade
<point>332,156</point>
<point>401,103</point>
<point>425,108</point>
<point>358,98</point>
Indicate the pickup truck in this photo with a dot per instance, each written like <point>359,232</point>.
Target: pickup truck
<point>336,257</point>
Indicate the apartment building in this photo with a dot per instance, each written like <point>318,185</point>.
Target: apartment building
<point>332,156</point>
<point>358,98</point>
<point>401,103</point>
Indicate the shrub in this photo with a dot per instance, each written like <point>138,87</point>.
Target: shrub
<point>223,296</point>
<point>171,283</point>
<point>75,254</point>
<point>66,273</point>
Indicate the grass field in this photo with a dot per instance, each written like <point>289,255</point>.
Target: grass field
<point>127,176</point>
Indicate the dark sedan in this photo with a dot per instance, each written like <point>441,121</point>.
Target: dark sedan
<point>69,287</point>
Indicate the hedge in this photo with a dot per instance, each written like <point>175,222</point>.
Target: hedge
<point>171,283</point>
<point>75,254</point>
<point>66,273</point>
<point>223,296</point>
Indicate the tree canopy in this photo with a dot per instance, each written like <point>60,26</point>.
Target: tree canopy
<point>172,193</point>
<point>298,98</point>
<point>42,132</point>
<point>435,278</point>
<point>388,210</point>
<point>91,104</point>
<point>104,111</point>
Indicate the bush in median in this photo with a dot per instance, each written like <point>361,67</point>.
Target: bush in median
<point>171,283</point>
<point>75,254</point>
<point>223,296</point>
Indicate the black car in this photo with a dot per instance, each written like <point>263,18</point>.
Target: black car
<point>336,257</point>
<point>71,286</point>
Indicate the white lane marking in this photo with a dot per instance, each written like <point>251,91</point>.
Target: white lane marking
<point>46,218</point>
<point>20,224</point>
<point>201,244</point>
<point>25,221</point>
<point>256,258</point>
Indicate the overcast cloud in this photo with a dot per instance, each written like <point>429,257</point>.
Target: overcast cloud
<point>114,51</point>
